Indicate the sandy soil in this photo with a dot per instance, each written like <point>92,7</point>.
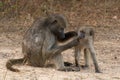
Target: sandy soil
<point>107,45</point>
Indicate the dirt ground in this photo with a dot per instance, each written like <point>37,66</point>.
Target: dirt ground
<point>107,45</point>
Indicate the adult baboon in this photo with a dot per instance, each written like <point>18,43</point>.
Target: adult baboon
<point>40,43</point>
<point>87,45</point>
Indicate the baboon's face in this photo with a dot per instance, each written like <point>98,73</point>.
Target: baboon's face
<point>58,30</point>
<point>81,34</point>
<point>88,33</point>
<point>57,26</point>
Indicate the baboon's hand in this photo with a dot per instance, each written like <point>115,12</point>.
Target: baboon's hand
<point>76,41</point>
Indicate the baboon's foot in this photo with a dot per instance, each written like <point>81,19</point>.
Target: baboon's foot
<point>85,66</point>
<point>98,71</point>
<point>76,69</point>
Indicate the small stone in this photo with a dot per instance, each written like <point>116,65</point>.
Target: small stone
<point>115,57</point>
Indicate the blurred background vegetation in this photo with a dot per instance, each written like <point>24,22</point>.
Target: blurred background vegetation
<point>21,13</point>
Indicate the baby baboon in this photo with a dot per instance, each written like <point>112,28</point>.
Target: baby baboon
<point>86,44</point>
<point>40,43</point>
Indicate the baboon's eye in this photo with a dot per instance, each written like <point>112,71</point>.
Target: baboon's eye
<point>54,22</point>
<point>82,31</point>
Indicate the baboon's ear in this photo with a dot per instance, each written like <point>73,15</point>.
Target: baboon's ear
<point>91,33</point>
<point>50,20</point>
<point>54,22</point>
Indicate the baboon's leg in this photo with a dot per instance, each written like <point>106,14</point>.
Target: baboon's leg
<point>59,63</point>
<point>86,57</point>
<point>77,56</point>
<point>92,52</point>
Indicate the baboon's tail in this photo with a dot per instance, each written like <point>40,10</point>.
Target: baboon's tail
<point>12,62</point>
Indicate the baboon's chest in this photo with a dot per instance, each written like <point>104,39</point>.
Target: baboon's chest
<point>49,41</point>
<point>84,43</point>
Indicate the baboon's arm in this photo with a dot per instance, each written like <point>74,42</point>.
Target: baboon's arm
<point>68,35</point>
<point>58,49</point>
